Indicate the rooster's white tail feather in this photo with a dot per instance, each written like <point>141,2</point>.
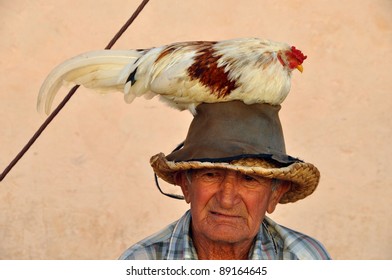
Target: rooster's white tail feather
<point>101,70</point>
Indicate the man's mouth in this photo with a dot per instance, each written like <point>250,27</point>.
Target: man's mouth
<point>224,215</point>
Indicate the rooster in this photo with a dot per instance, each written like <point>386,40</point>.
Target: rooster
<point>184,74</point>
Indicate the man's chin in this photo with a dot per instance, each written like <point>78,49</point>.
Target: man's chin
<point>226,233</point>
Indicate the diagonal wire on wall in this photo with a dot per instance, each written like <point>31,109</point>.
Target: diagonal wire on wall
<point>69,95</point>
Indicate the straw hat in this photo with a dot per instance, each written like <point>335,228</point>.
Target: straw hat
<point>245,138</point>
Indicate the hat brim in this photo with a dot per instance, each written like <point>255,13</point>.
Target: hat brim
<point>303,176</point>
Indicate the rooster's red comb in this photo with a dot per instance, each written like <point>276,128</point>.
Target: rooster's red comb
<point>298,54</point>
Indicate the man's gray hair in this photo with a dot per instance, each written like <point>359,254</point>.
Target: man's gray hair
<point>275,184</point>
<point>188,175</point>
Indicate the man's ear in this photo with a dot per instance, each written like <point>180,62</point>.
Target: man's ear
<point>277,194</point>
<point>181,180</point>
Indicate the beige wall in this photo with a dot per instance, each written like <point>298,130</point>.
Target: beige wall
<point>85,190</point>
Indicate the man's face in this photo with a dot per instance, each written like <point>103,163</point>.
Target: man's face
<point>228,206</point>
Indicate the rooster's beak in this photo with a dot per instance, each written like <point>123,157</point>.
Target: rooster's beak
<point>300,68</point>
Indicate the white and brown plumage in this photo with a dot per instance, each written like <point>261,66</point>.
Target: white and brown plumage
<point>184,74</point>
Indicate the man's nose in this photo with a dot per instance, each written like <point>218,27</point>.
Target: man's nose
<point>228,194</point>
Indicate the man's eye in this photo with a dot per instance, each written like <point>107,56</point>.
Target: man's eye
<point>249,178</point>
<point>210,174</point>
<point>252,181</point>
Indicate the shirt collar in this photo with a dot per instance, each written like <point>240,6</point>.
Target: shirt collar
<point>265,246</point>
<point>181,245</point>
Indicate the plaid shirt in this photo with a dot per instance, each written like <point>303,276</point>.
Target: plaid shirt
<point>273,242</point>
